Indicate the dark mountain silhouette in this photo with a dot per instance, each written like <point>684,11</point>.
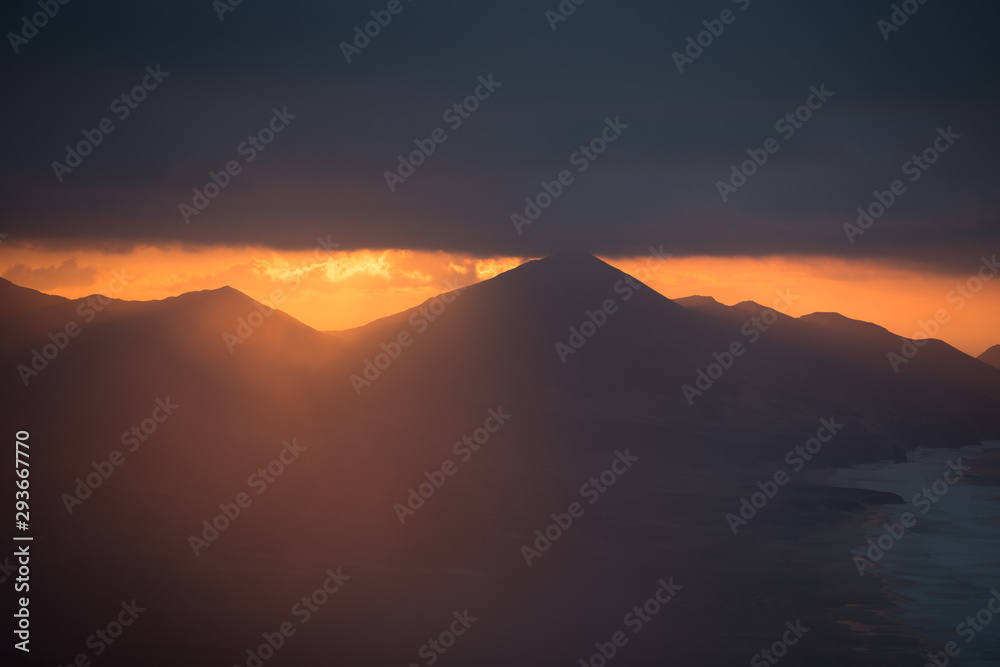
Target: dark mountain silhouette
<point>991,356</point>
<point>940,394</point>
<point>491,346</point>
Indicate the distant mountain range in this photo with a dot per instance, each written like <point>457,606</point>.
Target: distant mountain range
<point>991,356</point>
<point>585,359</point>
<point>513,336</point>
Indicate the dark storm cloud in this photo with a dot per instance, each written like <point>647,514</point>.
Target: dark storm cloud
<point>656,184</point>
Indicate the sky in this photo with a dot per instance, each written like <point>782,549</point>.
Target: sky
<point>609,119</point>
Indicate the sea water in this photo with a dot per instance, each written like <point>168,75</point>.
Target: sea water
<point>946,567</point>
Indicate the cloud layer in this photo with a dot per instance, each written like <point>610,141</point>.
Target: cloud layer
<point>657,183</point>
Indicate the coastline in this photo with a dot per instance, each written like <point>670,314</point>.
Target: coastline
<point>945,566</point>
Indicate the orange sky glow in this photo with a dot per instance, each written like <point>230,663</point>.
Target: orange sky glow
<point>339,290</point>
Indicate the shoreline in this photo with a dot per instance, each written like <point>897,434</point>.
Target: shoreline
<point>923,581</point>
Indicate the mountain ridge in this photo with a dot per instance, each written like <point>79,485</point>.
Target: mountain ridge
<point>991,356</point>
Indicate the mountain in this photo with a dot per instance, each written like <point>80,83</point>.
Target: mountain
<point>991,356</point>
<point>939,394</point>
<point>588,370</point>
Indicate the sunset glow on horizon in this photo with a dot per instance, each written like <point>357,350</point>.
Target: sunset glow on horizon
<point>340,290</point>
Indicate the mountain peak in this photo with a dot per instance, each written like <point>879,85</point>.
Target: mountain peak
<point>564,272</point>
<point>571,259</point>
<point>217,294</point>
<point>991,356</point>
<point>698,301</point>
<point>15,297</point>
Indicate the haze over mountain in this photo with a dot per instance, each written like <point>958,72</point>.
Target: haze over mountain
<point>376,415</point>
